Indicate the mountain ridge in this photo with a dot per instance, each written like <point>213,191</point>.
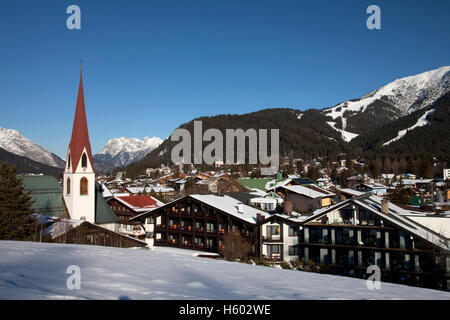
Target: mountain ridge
<point>330,131</point>
<point>13,141</point>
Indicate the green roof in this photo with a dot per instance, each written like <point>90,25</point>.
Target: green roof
<point>255,183</point>
<point>103,212</point>
<point>47,195</point>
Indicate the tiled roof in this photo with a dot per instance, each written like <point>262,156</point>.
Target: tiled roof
<point>139,202</point>
<point>80,135</point>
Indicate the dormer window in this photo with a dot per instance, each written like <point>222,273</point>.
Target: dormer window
<point>84,161</point>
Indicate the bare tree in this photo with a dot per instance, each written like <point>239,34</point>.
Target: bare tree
<point>235,246</point>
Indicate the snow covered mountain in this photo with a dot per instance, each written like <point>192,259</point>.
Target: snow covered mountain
<point>13,142</point>
<point>394,100</point>
<point>122,151</point>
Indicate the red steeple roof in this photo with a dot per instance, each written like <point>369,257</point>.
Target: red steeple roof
<point>80,135</point>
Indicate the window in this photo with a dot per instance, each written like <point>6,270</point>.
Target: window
<point>210,227</point>
<point>83,186</point>
<point>293,231</point>
<point>293,250</point>
<point>150,220</point>
<point>84,161</point>
<point>273,249</point>
<point>318,235</point>
<point>68,162</point>
<point>273,230</point>
<point>68,186</point>
<point>149,234</point>
<point>369,238</point>
<point>343,236</point>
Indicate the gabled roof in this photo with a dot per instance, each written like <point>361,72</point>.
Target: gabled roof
<point>396,216</point>
<point>298,220</point>
<point>103,212</point>
<point>61,226</point>
<point>229,205</point>
<point>350,192</point>
<point>308,192</point>
<point>225,204</point>
<point>47,195</point>
<point>80,135</point>
<point>278,184</point>
<point>139,203</point>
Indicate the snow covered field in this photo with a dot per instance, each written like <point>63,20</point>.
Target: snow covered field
<point>38,271</point>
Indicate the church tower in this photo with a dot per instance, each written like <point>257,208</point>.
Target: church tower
<point>79,175</point>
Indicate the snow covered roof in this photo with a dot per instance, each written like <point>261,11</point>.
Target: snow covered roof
<point>268,186</point>
<point>295,219</point>
<point>61,226</point>
<point>106,193</point>
<point>230,205</point>
<point>397,216</point>
<point>351,192</point>
<point>257,192</point>
<point>375,185</point>
<point>308,192</point>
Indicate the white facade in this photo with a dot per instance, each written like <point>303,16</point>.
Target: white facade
<point>446,174</point>
<point>281,242</point>
<point>80,206</point>
<point>149,226</point>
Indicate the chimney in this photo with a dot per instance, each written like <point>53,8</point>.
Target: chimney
<point>259,218</point>
<point>385,206</point>
<point>240,207</point>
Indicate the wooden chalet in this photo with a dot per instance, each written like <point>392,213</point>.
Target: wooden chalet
<point>129,206</point>
<point>84,232</point>
<point>200,222</point>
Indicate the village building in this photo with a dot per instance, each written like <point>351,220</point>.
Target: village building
<point>129,206</point>
<point>306,197</point>
<point>346,193</point>
<point>377,189</point>
<point>84,232</point>
<point>359,232</point>
<point>446,174</point>
<point>201,221</point>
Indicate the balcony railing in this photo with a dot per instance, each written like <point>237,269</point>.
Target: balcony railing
<point>272,238</point>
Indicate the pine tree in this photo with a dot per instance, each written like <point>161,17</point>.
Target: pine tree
<point>16,222</point>
<point>401,195</point>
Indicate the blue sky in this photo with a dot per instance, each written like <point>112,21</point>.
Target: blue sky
<point>153,65</point>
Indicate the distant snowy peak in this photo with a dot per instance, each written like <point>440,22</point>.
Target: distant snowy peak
<point>14,142</point>
<point>122,151</point>
<point>404,95</point>
<point>116,145</point>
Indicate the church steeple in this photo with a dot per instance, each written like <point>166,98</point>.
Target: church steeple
<point>79,175</point>
<point>80,136</point>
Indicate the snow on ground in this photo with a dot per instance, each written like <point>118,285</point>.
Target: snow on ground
<point>38,271</point>
<point>428,86</point>
<point>346,135</point>
<point>403,93</point>
<point>420,123</point>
